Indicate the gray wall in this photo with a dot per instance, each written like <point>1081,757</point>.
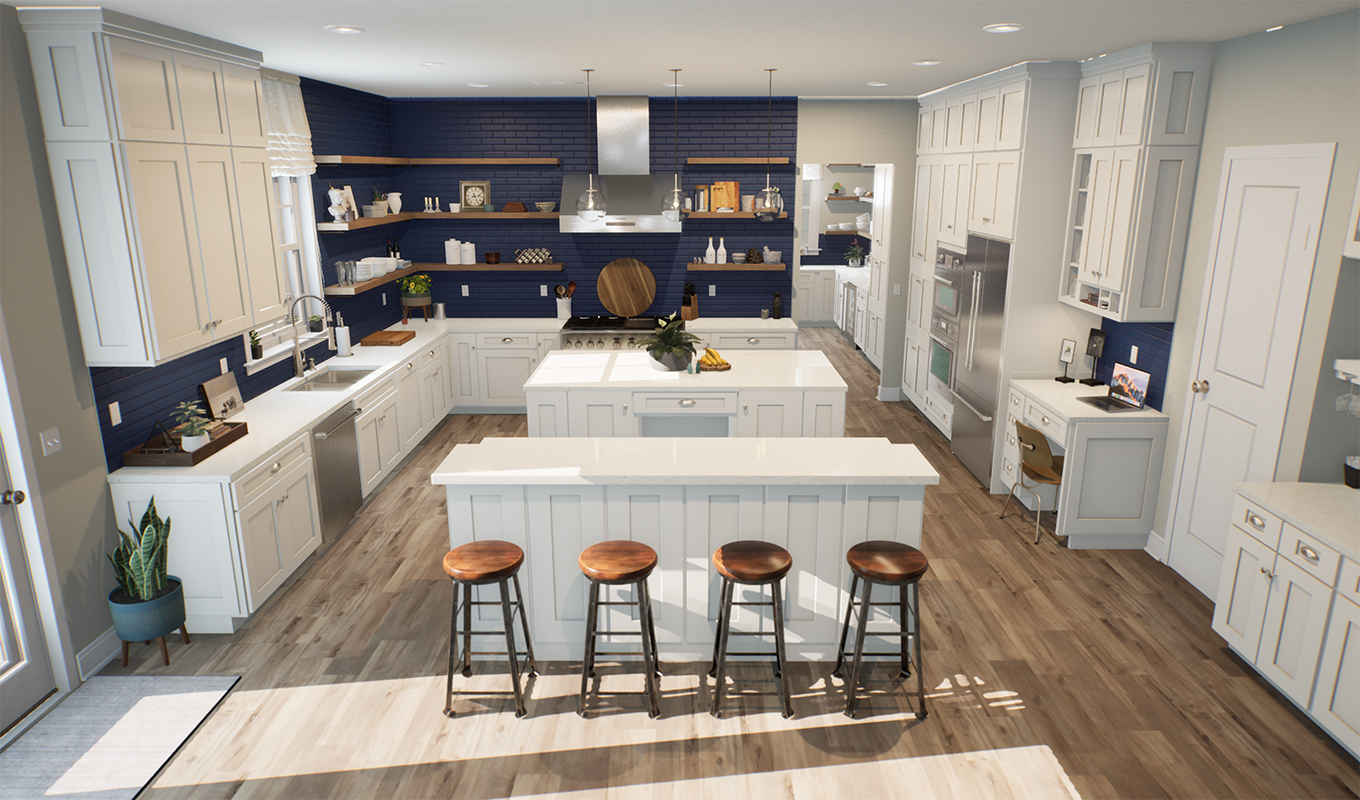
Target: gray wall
<point>869,132</point>
<point>1298,85</point>
<point>49,365</point>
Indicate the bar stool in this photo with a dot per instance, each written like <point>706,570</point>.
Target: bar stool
<point>479,564</point>
<point>886,564</point>
<point>750,563</point>
<point>616,563</point>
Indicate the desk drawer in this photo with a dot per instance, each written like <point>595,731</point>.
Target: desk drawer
<point>1010,468</point>
<point>1316,558</point>
<point>1053,426</point>
<point>684,403</point>
<point>277,465</point>
<point>1257,522</point>
<point>1016,404</point>
<point>431,355</point>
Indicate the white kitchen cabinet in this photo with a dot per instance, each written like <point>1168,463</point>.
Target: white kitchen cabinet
<point>279,529</point>
<point>938,411</point>
<point>548,342</point>
<point>922,243</point>
<point>379,436</point>
<point>434,396</point>
<point>1154,94</point>
<point>750,340</point>
<point>961,115</point>
<point>146,95</point>
<point>562,522</point>
<point>504,363</point>
<point>1239,613</point>
<point>547,413</point>
<point>993,194</point>
<point>1291,637</point>
<point>880,220</point>
<point>463,357</point>
<point>216,215</point>
<point>599,414</point>
<point>823,415</point>
<point>770,414</point>
<point>861,316</point>
<point>245,106</point>
<point>875,334</point>
<point>266,276</point>
<point>409,420</point>
<point>952,208</point>
<point>1000,118</point>
<point>1336,700</point>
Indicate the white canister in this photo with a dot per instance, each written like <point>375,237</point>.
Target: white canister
<point>453,252</point>
<point>469,253</point>
<point>564,308</point>
<point>455,208</point>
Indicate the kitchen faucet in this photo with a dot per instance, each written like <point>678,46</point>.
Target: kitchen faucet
<point>300,369</point>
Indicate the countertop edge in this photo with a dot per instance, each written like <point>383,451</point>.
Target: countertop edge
<point>1286,498</point>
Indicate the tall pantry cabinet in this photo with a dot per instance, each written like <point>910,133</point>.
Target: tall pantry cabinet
<point>156,143</point>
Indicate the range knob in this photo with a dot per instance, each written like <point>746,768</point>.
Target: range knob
<point>618,343</point>
<point>578,344</point>
<point>632,342</point>
<point>599,343</point>
<point>590,343</point>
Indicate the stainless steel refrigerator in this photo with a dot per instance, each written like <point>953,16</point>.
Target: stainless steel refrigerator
<point>977,369</point>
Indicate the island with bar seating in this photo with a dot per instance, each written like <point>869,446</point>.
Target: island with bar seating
<point>684,497</point>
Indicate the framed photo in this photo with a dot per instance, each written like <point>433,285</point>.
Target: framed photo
<point>474,194</point>
<point>347,203</point>
<point>1096,344</point>
<point>1069,351</point>
<point>1352,247</point>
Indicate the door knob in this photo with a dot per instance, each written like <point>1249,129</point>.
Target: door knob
<point>12,497</point>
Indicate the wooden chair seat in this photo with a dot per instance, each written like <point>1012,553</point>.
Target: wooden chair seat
<point>1049,475</point>
<point>887,562</point>
<point>750,561</point>
<point>617,561</point>
<point>483,562</point>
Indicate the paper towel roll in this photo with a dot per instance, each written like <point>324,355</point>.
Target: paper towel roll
<point>452,253</point>
<point>342,342</point>
<point>469,253</point>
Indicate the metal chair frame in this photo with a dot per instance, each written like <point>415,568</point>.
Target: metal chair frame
<point>909,607</point>
<point>718,669</point>
<point>464,654</point>
<point>646,630</point>
<point>1020,481</point>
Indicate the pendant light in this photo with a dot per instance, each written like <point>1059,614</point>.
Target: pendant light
<point>674,201</point>
<point>769,204</point>
<point>591,205</point>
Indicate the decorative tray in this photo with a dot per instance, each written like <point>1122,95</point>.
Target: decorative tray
<point>163,450</point>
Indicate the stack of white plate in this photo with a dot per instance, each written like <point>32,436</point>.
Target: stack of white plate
<point>862,222</point>
<point>363,271</point>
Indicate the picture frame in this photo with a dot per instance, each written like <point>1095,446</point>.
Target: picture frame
<point>347,203</point>
<point>1069,351</point>
<point>474,194</point>
<point>1096,344</point>
<point>1351,249</point>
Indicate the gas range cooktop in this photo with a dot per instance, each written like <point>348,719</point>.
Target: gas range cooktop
<point>605,333</point>
<point>608,324</point>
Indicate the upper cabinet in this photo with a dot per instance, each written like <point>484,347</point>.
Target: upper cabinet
<point>166,203</point>
<point>1140,114</point>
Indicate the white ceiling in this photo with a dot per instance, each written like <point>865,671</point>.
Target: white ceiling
<point>821,48</point>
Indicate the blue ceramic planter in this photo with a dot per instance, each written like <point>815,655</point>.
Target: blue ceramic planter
<point>142,622</point>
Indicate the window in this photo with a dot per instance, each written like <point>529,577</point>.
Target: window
<point>298,253</point>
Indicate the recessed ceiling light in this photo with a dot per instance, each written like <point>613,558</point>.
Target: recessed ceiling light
<point>480,85</point>
<point>1003,27</point>
<point>429,63</point>
<point>927,62</point>
<point>876,83</point>
<point>1276,28</point>
<point>348,30</point>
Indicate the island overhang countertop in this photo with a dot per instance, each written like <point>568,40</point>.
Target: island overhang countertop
<point>631,369</point>
<point>685,461</point>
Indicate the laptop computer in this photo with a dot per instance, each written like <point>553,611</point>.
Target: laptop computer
<point>1128,390</point>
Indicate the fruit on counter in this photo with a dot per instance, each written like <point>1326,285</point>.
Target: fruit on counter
<point>712,358</point>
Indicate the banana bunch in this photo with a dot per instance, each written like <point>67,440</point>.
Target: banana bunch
<point>712,358</point>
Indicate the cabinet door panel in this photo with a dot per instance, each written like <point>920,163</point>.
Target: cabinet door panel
<point>260,549</point>
<point>806,521</point>
<point>1133,105</point>
<point>654,516</point>
<point>259,238</point>
<point>202,99</point>
<point>1123,183</point>
<point>989,113</point>
<point>70,90</point>
<point>1291,639</point>
<point>297,516</point>
<point>408,406</point>
<point>920,244</point>
<point>1336,703</point>
<point>563,521</point>
<point>147,99</point>
<point>212,179</point>
<point>770,414</point>
<point>714,516</point>
<point>1107,110</point>
<point>370,462</point>
<point>600,414</point>
<point>1098,229</point>
<point>245,114</point>
<point>1239,610</point>
<point>547,413</point>
<point>464,360</point>
<point>1087,99</point>
<point>502,373</point>
<point>824,414</point>
<point>1010,124</point>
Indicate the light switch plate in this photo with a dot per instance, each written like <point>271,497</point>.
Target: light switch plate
<point>384,296</point>
<point>1133,354</point>
<point>712,290</point>
<point>225,368</point>
<point>51,441</point>
<point>465,290</point>
<point>897,290</point>
<point>543,290</point>
<point>115,414</point>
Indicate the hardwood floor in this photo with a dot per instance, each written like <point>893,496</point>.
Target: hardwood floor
<point>1107,657</point>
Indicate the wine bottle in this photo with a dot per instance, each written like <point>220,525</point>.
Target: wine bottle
<point>722,251</point>
<point>710,255</point>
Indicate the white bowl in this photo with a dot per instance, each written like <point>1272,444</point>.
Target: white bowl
<point>859,191</point>
<point>774,256</point>
<point>833,226</point>
<point>861,226</point>
<point>847,226</point>
<point>545,207</point>
<point>738,258</point>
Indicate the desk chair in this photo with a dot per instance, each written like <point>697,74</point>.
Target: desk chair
<point>1037,463</point>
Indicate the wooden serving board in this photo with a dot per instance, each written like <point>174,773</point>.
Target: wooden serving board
<point>715,367</point>
<point>626,287</point>
<point>157,452</point>
<point>726,194</point>
<point>388,338</point>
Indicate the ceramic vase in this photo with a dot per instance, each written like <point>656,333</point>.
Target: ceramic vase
<point>394,202</point>
<point>672,362</point>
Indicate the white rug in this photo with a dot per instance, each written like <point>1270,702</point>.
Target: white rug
<point>109,738</point>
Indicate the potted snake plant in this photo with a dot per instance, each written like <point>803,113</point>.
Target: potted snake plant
<point>148,603</point>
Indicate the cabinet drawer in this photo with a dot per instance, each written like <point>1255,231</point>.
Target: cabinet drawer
<point>1010,470</point>
<point>507,340</point>
<point>1348,584</point>
<point>752,341</point>
<point>939,411</point>
<point>374,395</point>
<point>677,403</point>
<point>1258,522</point>
<point>431,355</point>
<point>1316,558</point>
<point>1051,424</point>
<point>1016,404</point>
<point>278,464</point>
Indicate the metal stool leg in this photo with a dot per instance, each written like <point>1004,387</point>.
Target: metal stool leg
<point>1009,495</point>
<point>509,618</point>
<point>588,658</point>
<point>845,629</point>
<point>524,624</point>
<point>453,647</point>
<point>720,660</point>
<point>723,611</point>
<point>467,629</point>
<point>778,595</point>
<point>902,616</point>
<point>651,627</point>
<point>921,712</point>
<point>852,683</point>
<point>649,655</point>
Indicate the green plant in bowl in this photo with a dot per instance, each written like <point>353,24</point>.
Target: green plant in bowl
<point>416,285</point>
<point>670,345</point>
<point>190,418</point>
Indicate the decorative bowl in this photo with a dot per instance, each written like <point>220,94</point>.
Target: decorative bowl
<point>738,258</point>
<point>545,207</point>
<point>847,226</point>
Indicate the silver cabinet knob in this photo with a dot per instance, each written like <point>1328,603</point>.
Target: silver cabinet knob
<point>1308,553</point>
<point>277,466</point>
<point>753,340</point>
<point>687,402</point>
<point>507,340</point>
<point>1256,521</point>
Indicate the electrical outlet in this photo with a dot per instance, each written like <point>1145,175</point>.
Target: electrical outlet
<point>712,290</point>
<point>1133,355</point>
<point>543,290</point>
<point>897,290</point>
<point>115,414</point>
<point>465,291</point>
<point>51,441</point>
<point>225,368</point>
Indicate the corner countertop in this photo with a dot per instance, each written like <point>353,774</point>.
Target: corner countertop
<point>1062,399</point>
<point>685,461</point>
<point>787,370</point>
<point>1329,512</point>
<point>754,324</point>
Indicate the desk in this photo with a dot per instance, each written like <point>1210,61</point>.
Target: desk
<point>1113,466</point>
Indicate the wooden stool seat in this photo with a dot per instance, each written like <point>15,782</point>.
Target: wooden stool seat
<point>617,562</point>
<point>887,562</point>
<point>752,561</point>
<point>483,562</point>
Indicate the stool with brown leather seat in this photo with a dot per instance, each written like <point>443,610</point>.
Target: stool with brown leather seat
<point>1037,463</point>
<point>750,563</point>
<point>480,564</point>
<point>615,563</point>
<point>881,563</point>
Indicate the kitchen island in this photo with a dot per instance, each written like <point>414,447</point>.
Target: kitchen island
<point>794,393</point>
<point>684,497</point>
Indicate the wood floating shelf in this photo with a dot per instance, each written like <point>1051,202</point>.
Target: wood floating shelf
<point>843,198</point>
<point>372,283</point>
<point>734,267</point>
<point>729,215</point>
<point>852,165</point>
<point>504,266</point>
<point>865,234</point>
<point>364,222</point>
<point>734,161</point>
<point>369,222</point>
<point>455,162</point>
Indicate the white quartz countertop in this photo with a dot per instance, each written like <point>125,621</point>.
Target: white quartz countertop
<point>1062,398</point>
<point>631,369</point>
<point>682,461</point>
<point>755,324</point>
<point>1328,511</point>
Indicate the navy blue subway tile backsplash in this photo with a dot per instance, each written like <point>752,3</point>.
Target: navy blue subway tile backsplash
<point>1153,340</point>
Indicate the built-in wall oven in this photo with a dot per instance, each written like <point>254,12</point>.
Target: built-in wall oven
<point>944,321</point>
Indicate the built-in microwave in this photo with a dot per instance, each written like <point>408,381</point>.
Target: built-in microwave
<point>948,283</point>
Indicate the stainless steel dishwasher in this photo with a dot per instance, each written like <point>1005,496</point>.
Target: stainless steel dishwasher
<point>336,455</point>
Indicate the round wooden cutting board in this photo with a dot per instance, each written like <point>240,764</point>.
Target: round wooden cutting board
<point>626,287</point>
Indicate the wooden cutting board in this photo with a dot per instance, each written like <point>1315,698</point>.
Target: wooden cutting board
<point>726,194</point>
<point>626,287</point>
<point>388,338</point>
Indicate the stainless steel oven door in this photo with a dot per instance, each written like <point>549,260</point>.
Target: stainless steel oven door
<point>947,293</point>
<point>941,377</point>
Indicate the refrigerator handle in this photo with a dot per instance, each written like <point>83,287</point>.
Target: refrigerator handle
<point>973,315</point>
<point>969,406</point>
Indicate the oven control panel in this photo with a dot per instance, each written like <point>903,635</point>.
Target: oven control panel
<point>600,340</point>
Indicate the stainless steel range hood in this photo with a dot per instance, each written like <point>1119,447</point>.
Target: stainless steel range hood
<point>634,196</point>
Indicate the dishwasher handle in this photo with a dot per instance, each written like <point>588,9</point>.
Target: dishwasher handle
<point>342,424</point>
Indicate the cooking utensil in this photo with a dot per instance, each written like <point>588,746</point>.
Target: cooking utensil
<point>571,288</point>
<point>560,290</point>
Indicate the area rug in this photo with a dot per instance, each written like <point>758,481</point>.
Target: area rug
<point>109,738</point>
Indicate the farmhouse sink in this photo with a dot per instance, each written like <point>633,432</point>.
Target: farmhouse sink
<point>332,380</point>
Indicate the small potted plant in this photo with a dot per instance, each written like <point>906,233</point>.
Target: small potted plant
<point>314,323</point>
<point>148,603</point>
<point>670,345</point>
<point>256,348</point>
<point>379,204</point>
<point>854,254</point>
<point>192,427</point>
<point>415,290</point>
<point>837,189</point>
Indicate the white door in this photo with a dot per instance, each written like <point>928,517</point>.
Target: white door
<point>1260,266</point>
<point>25,672</point>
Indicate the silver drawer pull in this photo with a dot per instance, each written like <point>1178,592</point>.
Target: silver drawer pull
<point>1267,573</point>
<point>1255,521</point>
<point>507,340</point>
<point>687,402</point>
<point>1307,552</point>
<point>753,340</point>
<point>1045,419</point>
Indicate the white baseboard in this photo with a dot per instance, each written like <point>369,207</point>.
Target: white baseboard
<point>1156,546</point>
<point>98,653</point>
<point>889,393</point>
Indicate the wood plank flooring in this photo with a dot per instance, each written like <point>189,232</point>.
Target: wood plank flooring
<point>1106,657</point>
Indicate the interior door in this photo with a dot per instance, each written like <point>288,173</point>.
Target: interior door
<point>1260,266</point>
<point>25,671</point>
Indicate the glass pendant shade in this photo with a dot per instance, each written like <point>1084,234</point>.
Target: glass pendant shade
<point>769,204</point>
<point>673,203</point>
<point>591,205</point>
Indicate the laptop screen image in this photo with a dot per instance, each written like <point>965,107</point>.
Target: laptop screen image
<point>1129,385</point>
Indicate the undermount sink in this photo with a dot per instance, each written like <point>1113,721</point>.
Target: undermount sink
<point>332,380</point>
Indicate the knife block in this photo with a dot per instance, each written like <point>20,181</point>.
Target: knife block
<point>689,309</point>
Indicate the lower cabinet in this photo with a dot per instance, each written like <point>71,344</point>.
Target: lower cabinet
<point>624,412</point>
<point>597,414</point>
<point>770,414</point>
<point>1336,700</point>
<point>463,359</point>
<point>279,529</point>
<point>379,437</point>
<point>409,419</point>
<point>435,398</point>
<point>489,369</point>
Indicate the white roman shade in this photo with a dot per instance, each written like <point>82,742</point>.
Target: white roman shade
<point>290,137</point>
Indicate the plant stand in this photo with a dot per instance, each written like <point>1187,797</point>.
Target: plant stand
<point>152,619</point>
<point>414,301</point>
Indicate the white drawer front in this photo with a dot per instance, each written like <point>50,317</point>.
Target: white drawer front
<point>1316,558</point>
<point>277,465</point>
<point>677,403</point>
<point>1051,424</point>
<point>507,340</point>
<point>1016,404</point>
<point>752,341</point>
<point>371,397</point>
<point>1261,524</point>
<point>1348,584</point>
<point>431,355</point>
